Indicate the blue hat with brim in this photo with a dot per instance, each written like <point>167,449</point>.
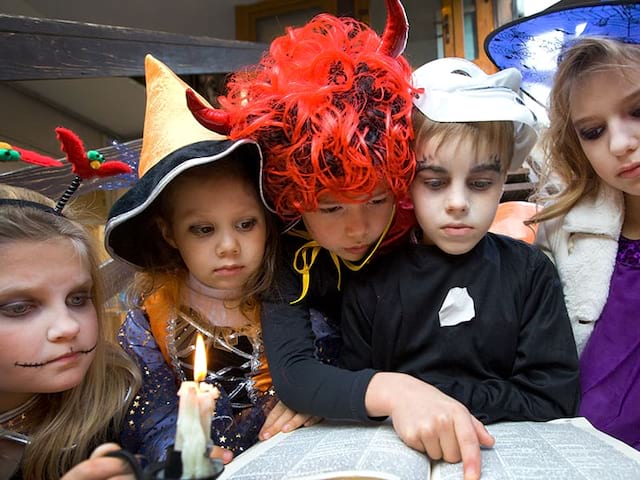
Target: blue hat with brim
<point>533,44</point>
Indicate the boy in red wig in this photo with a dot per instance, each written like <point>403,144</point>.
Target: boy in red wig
<point>330,105</point>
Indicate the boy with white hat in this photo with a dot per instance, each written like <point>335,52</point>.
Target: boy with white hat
<point>478,315</point>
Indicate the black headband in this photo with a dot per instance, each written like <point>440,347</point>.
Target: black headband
<point>28,203</point>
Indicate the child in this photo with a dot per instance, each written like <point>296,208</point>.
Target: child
<point>330,106</point>
<point>478,315</point>
<point>195,226</point>
<point>591,227</point>
<point>64,387</point>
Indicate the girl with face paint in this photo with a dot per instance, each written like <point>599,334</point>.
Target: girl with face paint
<point>63,386</point>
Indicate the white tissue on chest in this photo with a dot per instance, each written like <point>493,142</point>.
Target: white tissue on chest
<point>457,307</point>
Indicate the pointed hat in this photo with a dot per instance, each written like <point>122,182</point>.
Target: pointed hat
<point>168,123</point>
<point>534,44</point>
<point>173,142</point>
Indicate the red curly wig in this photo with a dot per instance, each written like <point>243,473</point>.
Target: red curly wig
<point>330,106</point>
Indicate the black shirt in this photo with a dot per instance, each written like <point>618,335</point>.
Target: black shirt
<point>301,381</point>
<point>515,360</point>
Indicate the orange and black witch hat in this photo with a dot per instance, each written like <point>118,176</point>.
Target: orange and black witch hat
<point>172,143</point>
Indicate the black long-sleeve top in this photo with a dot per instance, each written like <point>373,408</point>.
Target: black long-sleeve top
<point>515,360</point>
<point>302,382</point>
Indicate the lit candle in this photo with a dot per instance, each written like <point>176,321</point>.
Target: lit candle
<point>197,403</point>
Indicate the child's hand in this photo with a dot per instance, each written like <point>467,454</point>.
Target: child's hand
<point>428,420</point>
<point>221,453</point>
<point>101,467</point>
<point>282,418</point>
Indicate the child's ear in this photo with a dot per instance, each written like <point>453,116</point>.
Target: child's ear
<point>165,230</point>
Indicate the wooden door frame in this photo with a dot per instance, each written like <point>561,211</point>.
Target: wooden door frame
<point>453,29</point>
<point>247,16</point>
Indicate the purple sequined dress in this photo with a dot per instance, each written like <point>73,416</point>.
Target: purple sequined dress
<point>241,410</point>
<point>610,363</point>
<point>151,422</point>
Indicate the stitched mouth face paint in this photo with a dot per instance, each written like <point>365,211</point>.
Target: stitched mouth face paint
<point>42,364</point>
<point>48,311</point>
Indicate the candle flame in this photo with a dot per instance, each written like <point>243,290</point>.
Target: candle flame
<point>200,362</point>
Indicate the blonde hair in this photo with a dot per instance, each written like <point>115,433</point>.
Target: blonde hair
<point>83,416</point>
<point>566,169</point>
<point>496,134</point>
<point>163,263</point>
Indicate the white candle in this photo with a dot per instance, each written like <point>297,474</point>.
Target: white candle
<point>197,403</point>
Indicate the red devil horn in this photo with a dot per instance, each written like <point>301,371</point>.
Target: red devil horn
<point>211,118</point>
<point>396,30</point>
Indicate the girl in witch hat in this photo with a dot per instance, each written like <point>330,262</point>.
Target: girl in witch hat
<point>196,229</point>
<point>65,387</point>
<point>590,191</point>
<point>591,227</point>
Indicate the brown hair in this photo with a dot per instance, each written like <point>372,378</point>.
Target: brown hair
<point>565,160</point>
<point>497,133</point>
<point>83,415</point>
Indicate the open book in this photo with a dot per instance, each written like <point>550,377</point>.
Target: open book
<point>564,449</point>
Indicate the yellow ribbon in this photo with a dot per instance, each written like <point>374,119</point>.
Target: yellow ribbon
<point>305,257</point>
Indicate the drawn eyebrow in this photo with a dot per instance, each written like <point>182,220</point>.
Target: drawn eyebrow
<point>487,167</point>
<point>423,165</point>
<point>27,290</point>
<point>493,164</point>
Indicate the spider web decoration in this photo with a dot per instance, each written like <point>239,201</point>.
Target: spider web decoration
<point>129,154</point>
<point>53,181</point>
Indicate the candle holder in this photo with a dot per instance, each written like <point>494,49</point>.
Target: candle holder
<point>169,469</point>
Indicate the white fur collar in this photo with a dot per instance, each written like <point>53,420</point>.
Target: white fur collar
<point>602,215</point>
<point>586,262</point>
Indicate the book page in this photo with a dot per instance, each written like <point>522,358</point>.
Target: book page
<point>567,449</point>
<point>331,450</point>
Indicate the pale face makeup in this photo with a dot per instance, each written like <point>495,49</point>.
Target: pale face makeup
<point>456,194</point>
<point>48,322</point>
<point>605,112</point>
